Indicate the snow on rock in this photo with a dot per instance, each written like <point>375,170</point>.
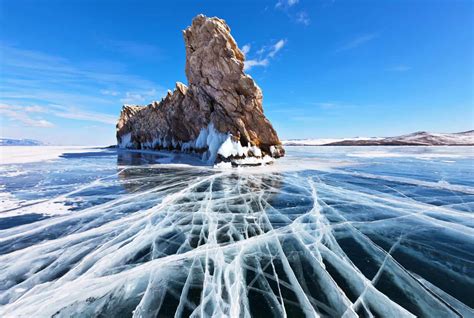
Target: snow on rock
<point>125,141</point>
<point>212,144</point>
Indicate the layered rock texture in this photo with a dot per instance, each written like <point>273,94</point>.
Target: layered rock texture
<point>219,114</point>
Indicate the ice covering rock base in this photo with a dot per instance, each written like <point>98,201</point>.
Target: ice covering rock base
<point>219,114</point>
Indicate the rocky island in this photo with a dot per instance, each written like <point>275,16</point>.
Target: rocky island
<point>219,114</point>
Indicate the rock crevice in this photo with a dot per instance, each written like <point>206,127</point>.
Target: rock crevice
<point>219,113</point>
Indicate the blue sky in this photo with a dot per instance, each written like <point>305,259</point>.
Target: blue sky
<point>326,68</point>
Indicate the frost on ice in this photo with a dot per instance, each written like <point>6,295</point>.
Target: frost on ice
<point>200,242</point>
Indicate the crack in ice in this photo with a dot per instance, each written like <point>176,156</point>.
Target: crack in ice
<point>234,243</point>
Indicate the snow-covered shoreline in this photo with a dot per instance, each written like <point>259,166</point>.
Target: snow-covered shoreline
<point>26,154</point>
<point>420,138</point>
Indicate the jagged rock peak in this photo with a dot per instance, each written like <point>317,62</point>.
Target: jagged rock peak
<point>219,114</point>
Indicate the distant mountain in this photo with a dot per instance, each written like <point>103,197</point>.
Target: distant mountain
<point>420,138</point>
<point>322,141</point>
<point>20,142</point>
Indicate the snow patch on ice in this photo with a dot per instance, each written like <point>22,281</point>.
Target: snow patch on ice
<point>254,161</point>
<point>223,165</point>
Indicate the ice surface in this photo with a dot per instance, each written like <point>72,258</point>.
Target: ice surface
<point>318,233</point>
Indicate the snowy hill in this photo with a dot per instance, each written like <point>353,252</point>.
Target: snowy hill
<point>20,142</point>
<point>421,138</point>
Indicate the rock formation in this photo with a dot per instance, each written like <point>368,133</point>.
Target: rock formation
<point>219,114</point>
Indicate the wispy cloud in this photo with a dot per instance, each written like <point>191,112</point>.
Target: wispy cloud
<point>20,115</point>
<point>58,88</point>
<point>252,63</point>
<point>77,114</point>
<point>358,41</point>
<point>246,49</point>
<point>289,7</point>
<point>35,109</point>
<point>399,68</point>
<point>265,55</point>
<point>333,105</point>
<point>276,47</point>
<point>302,17</point>
<point>140,96</point>
<point>23,114</point>
<point>327,105</point>
<point>109,92</point>
<point>285,3</point>
<point>39,68</point>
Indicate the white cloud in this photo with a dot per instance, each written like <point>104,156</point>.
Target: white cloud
<point>35,109</point>
<point>290,9</point>
<point>140,97</point>
<point>35,84</point>
<point>76,114</point>
<point>109,92</point>
<point>31,75</point>
<point>285,3</point>
<point>246,49</point>
<point>264,60</point>
<point>303,18</point>
<point>40,89</point>
<point>251,63</point>
<point>261,50</point>
<point>20,115</point>
<point>358,41</point>
<point>276,47</point>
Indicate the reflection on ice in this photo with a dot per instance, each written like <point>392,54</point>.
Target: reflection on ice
<point>375,238</point>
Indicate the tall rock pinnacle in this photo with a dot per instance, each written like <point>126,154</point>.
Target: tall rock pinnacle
<point>220,114</point>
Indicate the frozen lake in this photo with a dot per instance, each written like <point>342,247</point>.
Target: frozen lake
<point>325,231</point>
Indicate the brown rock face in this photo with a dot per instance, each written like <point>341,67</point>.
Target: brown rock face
<point>221,102</point>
